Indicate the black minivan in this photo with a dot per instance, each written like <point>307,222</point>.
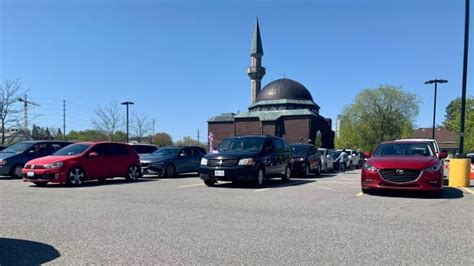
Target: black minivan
<point>247,158</point>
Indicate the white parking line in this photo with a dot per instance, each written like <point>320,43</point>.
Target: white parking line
<point>193,185</point>
<point>263,189</point>
<point>323,187</point>
<point>467,190</point>
<point>360,194</point>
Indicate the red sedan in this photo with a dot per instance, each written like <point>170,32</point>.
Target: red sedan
<point>84,161</point>
<point>405,166</point>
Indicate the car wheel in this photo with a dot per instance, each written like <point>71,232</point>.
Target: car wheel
<point>287,175</point>
<point>170,171</point>
<point>260,178</point>
<point>40,184</point>
<point>133,173</point>
<point>210,183</point>
<point>76,176</point>
<point>15,172</point>
<point>307,171</point>
<point>318,171</point>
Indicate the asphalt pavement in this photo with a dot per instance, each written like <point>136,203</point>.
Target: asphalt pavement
<point>316,220</point>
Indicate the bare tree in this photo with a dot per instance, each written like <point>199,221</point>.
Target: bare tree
<point>141,125</point>
<point>108,119</point>
<point>9,91</point>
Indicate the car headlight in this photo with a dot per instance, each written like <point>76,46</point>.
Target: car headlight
<point>53,165</point>
<point>246,161</point>
<point>3,162</point>
<point>370,167</point>
<point>203,161</point>
<point>434,168</point>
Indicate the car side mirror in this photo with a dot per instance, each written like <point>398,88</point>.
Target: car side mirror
<point>367,154</point>
<point>93,155</point>
<point>442,155</point>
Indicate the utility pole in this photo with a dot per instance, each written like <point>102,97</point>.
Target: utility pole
<point>464,79</point>
<point>64,119</point>
<point>26,102</point>
<point>152,132</point>
<point>127,104</point>
<point>198,135</point>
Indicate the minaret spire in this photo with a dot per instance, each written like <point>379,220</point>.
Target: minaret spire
<point>255,70</point>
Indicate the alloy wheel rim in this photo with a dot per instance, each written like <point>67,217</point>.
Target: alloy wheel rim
<point>76,176</point>
<point>18,171</point>
<point>260,177</point>
<point>132,172</point>
<point>288,173</point>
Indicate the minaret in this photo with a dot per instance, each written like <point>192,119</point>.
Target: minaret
<point>255,70</point>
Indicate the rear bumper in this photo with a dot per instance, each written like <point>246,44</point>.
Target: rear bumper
<point>427,181</point>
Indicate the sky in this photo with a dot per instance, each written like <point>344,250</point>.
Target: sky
<point>182,62</point>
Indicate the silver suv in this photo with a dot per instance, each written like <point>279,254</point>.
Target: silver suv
<point>327,162</point>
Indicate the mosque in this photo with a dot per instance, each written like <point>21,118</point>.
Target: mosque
<point>283,108</point>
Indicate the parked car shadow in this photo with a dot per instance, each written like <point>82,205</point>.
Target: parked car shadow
<point>96,183</point>
<point>272,183</point>
<point>25,252</point>
<point>447,193</point>
<point>178,176</point>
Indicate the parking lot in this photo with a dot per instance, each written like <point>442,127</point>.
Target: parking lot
<point>317,220</point>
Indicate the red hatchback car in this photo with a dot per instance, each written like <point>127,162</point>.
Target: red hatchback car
<point>84,161</point>
<point>403,165</point>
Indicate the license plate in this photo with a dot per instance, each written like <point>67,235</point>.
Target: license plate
<point>219,172</point>
<point>30,174</point>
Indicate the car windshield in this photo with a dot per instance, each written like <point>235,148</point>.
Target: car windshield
<point>298,149</point>
<point>166,152</point>
<point>404,149</point>
<point>241,144</point>
<point>18,148</point>
<point>72,150</point>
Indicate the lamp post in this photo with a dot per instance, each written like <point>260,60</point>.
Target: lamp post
<point>127,104</point>
<point>435,81</point>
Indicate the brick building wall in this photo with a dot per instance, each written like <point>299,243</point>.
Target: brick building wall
<point>248,127</point>
<point>221,131</point>
<point>296,128</point>
<point>268,128</point>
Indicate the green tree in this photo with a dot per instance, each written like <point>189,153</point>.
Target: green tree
<point>162,139</point>
<point>188,141</point>
<point>453,121</point>
<point>86,135</point>
<point>380,114</point>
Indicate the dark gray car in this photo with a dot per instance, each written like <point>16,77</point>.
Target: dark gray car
<point>170,161</point>
<point>13,158</point>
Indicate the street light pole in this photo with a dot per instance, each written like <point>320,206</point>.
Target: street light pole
<point>435,81</point>
<point>127,104</point>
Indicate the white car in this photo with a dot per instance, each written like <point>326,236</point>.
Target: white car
<point>327,162</point>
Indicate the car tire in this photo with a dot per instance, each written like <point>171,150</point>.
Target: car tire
<point>133,173</point>
<point>210,183</point>
<point>287,175</point>
<point>40,184</point>
<point>307,171</point>
<point>260,177</point>
<point>15,171</point>
<point>170,171</point>
<point>318,171</point>
<point>366,191</point>
<point>75,177</point>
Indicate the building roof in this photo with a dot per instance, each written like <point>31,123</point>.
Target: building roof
<point>257,48</point>
<point>284,89</point>
<point>274,115</point>
<point>282,102</point>
<point>224,117</point>
<point>445,138</point>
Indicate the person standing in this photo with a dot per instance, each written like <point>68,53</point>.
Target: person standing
<point>343,158</point>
